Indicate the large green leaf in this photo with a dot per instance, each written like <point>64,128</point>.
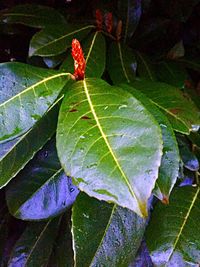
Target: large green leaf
<point>173,236</point>
<point>171,72</point>
<point>121,63</point>
<point>117,144</point>
<point>41,190</point>
<point>16,153</point>
<point>168,171</point>
<point>95,54</point>
<point>56,39</point>
<point>62,255</point>
<point>180,110</point>
<point>26,93</point>
<point>35,244</point>
<point>33,15</point>
<point>145,68</point>
<point>103,234</point>
<point>130,11</point>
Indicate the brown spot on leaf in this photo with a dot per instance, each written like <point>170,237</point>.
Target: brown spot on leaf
<point>85,118</point>
<point>165,200</point>
<point>175,110</point>
<point>73,110</point>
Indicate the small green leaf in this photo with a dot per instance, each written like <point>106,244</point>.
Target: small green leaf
<point>173,236</point>
<point>145,68</point>
<point>35,244</point>
<point>121,63</point>
<point>94,49</point>
<point>27,92</point>
<point>180,110</point>
<point>168,171</point>
<point>33,15</point>
<point>55,40</point>
<point>103,234</point>
<point>117,144</point>
<point>41,190</point>
<point>16,153</point>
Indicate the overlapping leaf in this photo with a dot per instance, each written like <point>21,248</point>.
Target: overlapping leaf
<point>55,40</point>
<point>173,236</point>
<point>168,171</point>
<point>33,15</point>
<point>35,245</point>
<point>26,93</point>
<point>121,63</point>
<point>180,110</point>
<point>94,49</point>
<point>16,153</point>
<point>41,190</point>
<point>117,144</point>
<point>103,234</point>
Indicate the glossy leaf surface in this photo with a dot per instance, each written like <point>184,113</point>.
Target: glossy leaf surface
<point>121,63</point>
<point>103,234</point>
<point>168,171</point>
<point>33,15</point>
<point>94,49</point>
<point>26,93</point>
<point>15,154</point>
<point>41,190</point>
<point>173,236</point>
<point>55,40</point>
<point>35,245</point>
<point>130,12</point>
<point>116,148</point>
<point>180,110</point>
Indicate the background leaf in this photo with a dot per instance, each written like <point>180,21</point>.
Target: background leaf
<point>62,255</point>
<point>168,170</point>
<point>145,68</point>
<point>41,190</point>
<point>103,234</point>
<point>37,16</point>
<point>94,49</point>
<point>172,236</point>
<point>111,156</point>
<point>171,72</point>
<point>55,40</point>
<point>35,244</point>
<point>130,12</point>
<point>121,63</point>
<point>15,154</point>
<point>26,94</point>
<point>180,110</point>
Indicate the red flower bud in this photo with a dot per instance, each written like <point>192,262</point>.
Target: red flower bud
<point>99,19</point>
<point>109,21</point>
<point>79,60</point>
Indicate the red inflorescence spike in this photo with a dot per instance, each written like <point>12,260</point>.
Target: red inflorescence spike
<point>99,19</point>
<point>109,21</point>
<point>79,60</point>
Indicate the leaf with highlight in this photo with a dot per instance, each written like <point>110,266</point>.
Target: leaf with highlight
<point>117,144</point>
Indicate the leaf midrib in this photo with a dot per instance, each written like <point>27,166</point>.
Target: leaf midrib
<point>122,63</point>
<point>146,66</point>
<point>184,223</point>
<point>109,147</point>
